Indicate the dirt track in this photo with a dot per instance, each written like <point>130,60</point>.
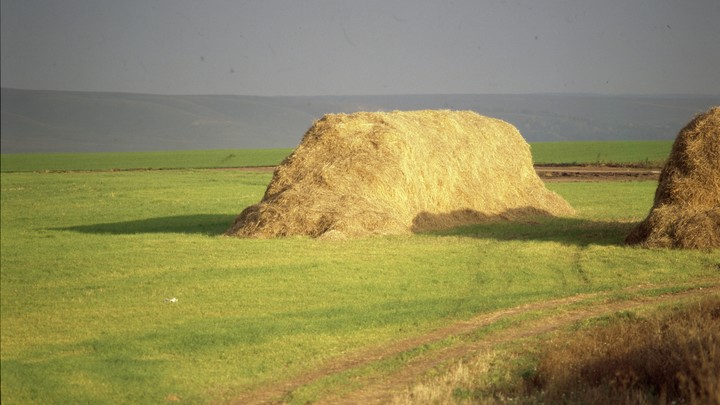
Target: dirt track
<point>595,173</point>
<point>381,389</point>
<point>561,173</point>
<point>547,173</point>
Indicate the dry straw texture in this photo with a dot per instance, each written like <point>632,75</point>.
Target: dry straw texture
<point>666,358</point>
<point>399,172</point>
<point>686,211</point>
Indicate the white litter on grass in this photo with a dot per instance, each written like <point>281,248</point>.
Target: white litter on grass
<point>173,300</point>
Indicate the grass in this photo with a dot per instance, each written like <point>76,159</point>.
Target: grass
<point>28,162</point>
<point>639,153</point>
<point>655,355</point>
<point>87,260</point>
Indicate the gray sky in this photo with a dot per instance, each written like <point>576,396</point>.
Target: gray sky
<point>312,47</point>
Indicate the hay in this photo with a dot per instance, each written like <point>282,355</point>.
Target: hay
<point>399,172</point>
<point>686,211</point>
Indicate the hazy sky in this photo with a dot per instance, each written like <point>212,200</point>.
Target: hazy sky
<point>312,47</point>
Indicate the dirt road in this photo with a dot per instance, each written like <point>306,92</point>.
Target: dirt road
<point>380,389</point>
<point>560,173</point>
<point>595,173</point>
<point>547,173</point>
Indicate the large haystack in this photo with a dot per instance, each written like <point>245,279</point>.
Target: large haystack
<point>686,212</point>
<point>399,172</point>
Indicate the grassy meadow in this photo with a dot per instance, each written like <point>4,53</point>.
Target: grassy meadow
<point>90,261</point>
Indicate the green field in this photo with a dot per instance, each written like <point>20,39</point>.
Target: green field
<point>141,160</point>
<point>642,153</point>
<point>89,259</point>
<point>651,153</point>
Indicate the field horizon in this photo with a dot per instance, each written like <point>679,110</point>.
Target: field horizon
<point>634,153</point>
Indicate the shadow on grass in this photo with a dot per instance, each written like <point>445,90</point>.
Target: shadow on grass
<point>514,227</point>
<point>205,224</point>
<point>568,231</point>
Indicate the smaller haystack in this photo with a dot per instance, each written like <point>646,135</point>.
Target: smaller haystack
<point>399,172</point>
<point>686,212</point>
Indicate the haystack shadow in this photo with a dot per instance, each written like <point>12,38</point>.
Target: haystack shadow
<point>514,225</point>
<point>204,224</point>
<point>526,224</point>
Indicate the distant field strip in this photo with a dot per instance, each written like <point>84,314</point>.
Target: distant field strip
<point>649,153</point>
<point>102,161</point>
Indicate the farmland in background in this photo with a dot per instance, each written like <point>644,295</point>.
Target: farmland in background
<point>641,153</point>
<point>617,153</point>
<point>142,160</point>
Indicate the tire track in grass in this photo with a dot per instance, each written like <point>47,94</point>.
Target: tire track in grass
<point>381,388</point>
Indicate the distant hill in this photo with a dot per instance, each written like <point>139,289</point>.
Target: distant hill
<point>59,121</point>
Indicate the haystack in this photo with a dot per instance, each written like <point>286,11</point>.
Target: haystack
<point>399,172</point>
<point>686,211</point>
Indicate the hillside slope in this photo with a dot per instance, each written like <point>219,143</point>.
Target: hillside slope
<point>57,121</point>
